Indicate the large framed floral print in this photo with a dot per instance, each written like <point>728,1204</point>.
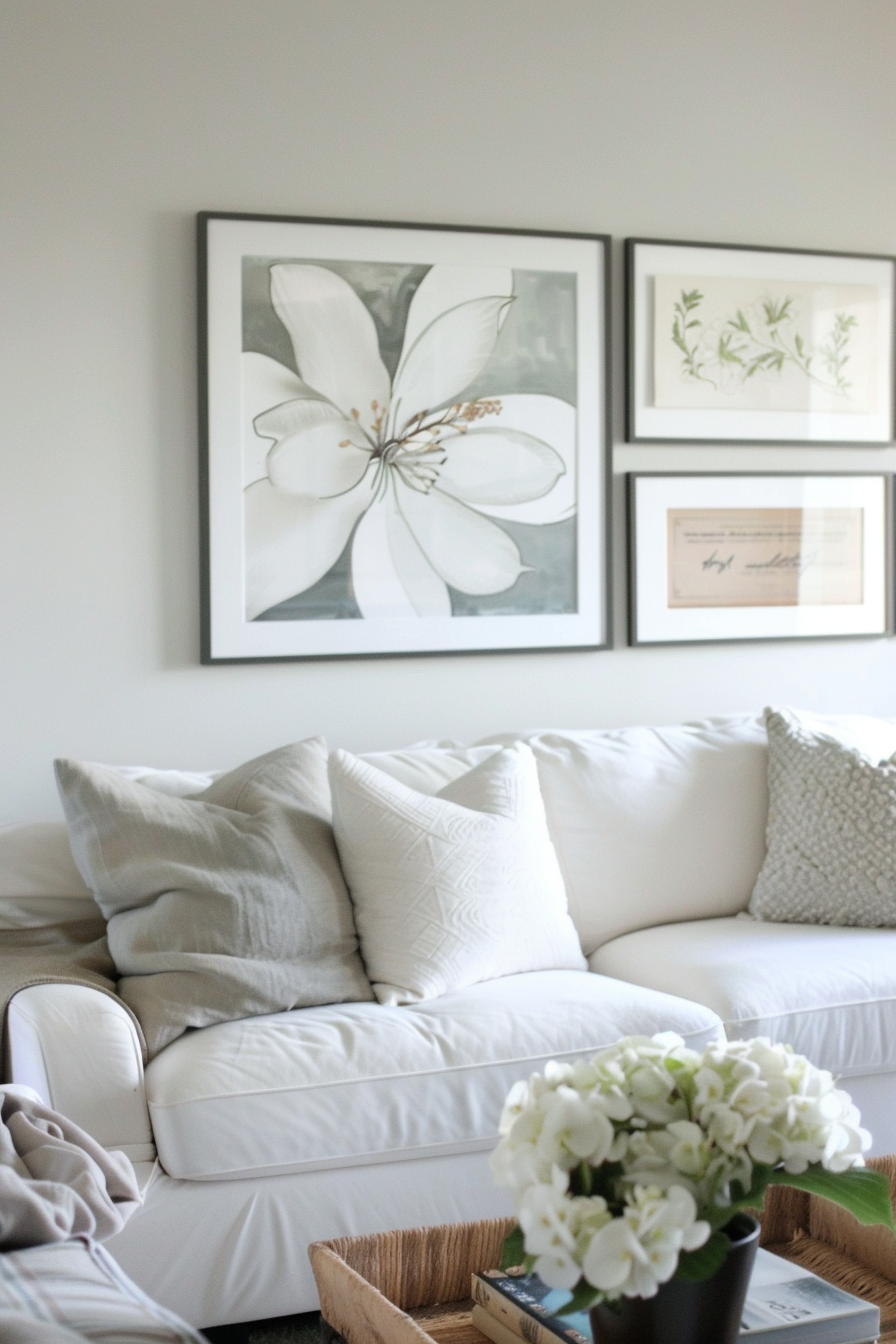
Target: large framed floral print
<point>748,344</point>
<point>404,438</point>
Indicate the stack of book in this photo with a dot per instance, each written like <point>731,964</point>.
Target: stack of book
<point>785,1305</point>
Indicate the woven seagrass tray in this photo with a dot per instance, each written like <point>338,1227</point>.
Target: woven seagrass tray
<point>412,1287</point>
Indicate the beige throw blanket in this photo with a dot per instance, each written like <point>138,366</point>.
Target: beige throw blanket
<point>75,953</point>
<point>56,1181</point>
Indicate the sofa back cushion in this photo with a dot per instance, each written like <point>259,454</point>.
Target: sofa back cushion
<point>650,825</point>
<point>39,881</point>
<point>655,825</point>
<point>429,766</point>
<point>658,825</point>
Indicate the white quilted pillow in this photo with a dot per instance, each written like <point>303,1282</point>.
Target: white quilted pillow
<point>455,888</point>
<point>831,831</point>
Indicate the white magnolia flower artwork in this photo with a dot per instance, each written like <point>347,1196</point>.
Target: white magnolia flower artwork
<point>417,475</point>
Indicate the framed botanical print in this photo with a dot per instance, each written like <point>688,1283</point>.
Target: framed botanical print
<point>748,344</point>
<point>404,438</point>
<point>751,556</point>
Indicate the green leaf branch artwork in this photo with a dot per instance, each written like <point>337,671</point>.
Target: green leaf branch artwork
<point>758,341</point>
<point>683,322</point>
<point>731,344</point>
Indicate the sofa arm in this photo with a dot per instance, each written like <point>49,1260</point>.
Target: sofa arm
<point>78,1048</point>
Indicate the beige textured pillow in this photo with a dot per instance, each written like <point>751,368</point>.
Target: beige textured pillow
<point>831,834</point>
<point>225,905</point>
<point>453,888</point>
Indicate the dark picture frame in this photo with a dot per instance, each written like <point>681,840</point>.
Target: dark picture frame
<point>740,344</point>
<point>759,555</point>
<point>404,435</point>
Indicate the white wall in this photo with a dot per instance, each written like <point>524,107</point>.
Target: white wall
<point>769,123</point>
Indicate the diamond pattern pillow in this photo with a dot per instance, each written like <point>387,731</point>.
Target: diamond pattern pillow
<point>831,836</point>
<point>453,888</point>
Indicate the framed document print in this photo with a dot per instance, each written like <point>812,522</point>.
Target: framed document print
<point>732,557</point>
<point>404,439</point>
<point>747,344</point>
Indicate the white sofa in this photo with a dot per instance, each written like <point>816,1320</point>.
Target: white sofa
<point>255,1137</point>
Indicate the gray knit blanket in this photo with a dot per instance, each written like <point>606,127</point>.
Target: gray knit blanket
<point>56,1181</point>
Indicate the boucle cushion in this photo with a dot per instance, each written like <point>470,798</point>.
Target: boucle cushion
<point>831,835</point>
<point>454,888</point>
<point>220,906</point>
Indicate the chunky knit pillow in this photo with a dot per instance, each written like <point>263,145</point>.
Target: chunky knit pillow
<point>831,833</point>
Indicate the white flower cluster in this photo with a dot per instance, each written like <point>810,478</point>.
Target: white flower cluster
<point>673,1129</point>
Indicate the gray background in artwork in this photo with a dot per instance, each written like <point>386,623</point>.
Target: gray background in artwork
<point>535,352</point>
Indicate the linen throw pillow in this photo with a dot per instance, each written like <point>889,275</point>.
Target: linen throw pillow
<point>228,904</point>
<point>453,888</point>
<point>831,836</point>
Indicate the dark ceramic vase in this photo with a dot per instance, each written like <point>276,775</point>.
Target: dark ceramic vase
<point>706,1312</point>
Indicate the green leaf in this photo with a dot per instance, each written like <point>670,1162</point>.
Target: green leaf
<point>604,1179</point>
<point>513,1251</point>
<point>743,1198</point>
<point>581,1179</point>
<point>725,351</point>
<point>703,1263</point>
<point>864,1193</point>
<point>583,1299</point>
<point>775,313</point>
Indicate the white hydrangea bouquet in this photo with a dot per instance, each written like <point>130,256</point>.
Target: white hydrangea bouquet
<point>625,1168</point>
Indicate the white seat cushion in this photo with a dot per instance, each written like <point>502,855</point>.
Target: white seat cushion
<point>366,1083</point>
<point>828,992</point>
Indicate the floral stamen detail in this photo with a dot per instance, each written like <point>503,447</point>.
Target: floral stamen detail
<point>422,436</point>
